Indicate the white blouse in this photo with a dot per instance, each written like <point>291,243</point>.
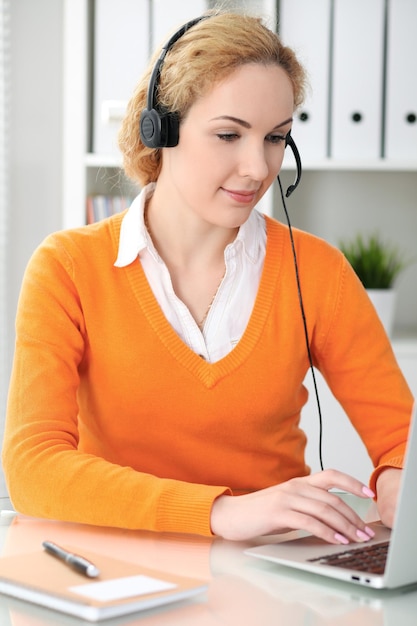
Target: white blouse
<point>232,306</point>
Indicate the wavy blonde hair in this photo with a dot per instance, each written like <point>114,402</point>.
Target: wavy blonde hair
<point>205,55</point>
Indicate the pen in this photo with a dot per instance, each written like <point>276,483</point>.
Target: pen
<point>79,563</point>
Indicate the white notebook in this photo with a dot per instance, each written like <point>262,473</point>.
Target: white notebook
<point>121,587</point>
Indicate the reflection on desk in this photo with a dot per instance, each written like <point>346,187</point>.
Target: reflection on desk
<point>242,591</point>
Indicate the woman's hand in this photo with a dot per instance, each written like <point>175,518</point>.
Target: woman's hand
<point>387,489</point>
<point>298,504</point>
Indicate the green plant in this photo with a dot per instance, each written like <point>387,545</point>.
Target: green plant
<point>375,262</point>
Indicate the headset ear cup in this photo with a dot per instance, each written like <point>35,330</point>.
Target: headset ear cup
<point>172,127</point>
<point>159,130</point>
<point>151,128</point>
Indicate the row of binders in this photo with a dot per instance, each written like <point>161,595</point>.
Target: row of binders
<point>361,61</point>
<point>360,56</point>
<point>101,206</point>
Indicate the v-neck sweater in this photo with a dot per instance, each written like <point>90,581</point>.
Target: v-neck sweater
<point>243,263</point>
<point>112,420</point>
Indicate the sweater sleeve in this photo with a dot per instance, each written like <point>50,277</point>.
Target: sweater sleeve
<point>357,360</point>
<point>47,474</point>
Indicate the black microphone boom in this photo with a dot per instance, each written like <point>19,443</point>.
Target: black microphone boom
<point>289,141</point>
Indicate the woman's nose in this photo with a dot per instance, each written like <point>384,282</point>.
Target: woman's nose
<point>253,162</point>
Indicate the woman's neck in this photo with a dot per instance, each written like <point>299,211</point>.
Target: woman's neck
<point>182,237</point>
<point>193,251</point>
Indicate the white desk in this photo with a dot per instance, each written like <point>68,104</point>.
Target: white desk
<point>242,591</point>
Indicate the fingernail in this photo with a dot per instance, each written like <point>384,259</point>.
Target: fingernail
<point>369,531</point>
<point>362,535</point>
<point>368,492</point>
<point>341,539</point>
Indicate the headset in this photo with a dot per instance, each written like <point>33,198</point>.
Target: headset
<point>160,129</point>
<point>289,141</point>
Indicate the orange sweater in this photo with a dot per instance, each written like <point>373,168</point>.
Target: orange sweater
<point>112,420</point>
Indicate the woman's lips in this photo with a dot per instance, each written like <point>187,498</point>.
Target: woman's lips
<point>243,197</point>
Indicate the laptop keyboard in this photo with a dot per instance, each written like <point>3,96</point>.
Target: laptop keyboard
<point>370,559</point>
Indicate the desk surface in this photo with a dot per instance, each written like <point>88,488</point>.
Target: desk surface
<point>242,591</point>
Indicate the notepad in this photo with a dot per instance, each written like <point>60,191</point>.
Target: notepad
<point>120,589</point>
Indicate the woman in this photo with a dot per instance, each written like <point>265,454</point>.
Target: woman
<point>160,356</point>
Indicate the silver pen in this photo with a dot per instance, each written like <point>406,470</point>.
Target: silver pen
<point>77,562</point>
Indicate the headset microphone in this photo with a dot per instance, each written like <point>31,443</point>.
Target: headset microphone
<point>289,141</point>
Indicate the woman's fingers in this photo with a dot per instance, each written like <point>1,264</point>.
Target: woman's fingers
<point>298,504</point>
<point>333,479</point>
<point>325,515</point>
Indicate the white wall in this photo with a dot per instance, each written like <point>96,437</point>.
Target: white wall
<point>36,129</point>
<point>35,137</point>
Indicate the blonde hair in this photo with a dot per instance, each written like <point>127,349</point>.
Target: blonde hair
<point>205,55</point>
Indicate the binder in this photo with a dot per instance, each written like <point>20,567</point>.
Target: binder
<point>401,103</point>
<point>167,16</point>
<point>125,35</point>
<point>305,26</point>
<point>357,79</point>
<point>121,53</point>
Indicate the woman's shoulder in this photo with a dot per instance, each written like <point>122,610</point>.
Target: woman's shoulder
<point>90,246</point>
<point>305,244</point>
<point>83,239</point>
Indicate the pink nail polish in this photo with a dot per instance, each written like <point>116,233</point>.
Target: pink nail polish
<point>361,535</point>
<point>369,531</point>
<point>368,492</point>
<point>341,539</point>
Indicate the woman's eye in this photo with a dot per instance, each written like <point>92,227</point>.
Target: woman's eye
<point>227,136</point>
<point>275,138</point>
<point>272,138</point>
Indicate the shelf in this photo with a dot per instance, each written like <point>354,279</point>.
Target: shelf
<point>378,165</point>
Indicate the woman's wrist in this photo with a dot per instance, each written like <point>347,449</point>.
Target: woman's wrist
<point>218,515</point>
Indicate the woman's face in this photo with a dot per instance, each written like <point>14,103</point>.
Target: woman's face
<point>231,146</point>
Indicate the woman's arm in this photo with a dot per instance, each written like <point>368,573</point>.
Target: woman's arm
<point>48,473</point>
<point>388,488</point>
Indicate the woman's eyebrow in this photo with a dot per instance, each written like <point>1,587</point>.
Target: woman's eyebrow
<point>290,119</point>
<point>245,124</point>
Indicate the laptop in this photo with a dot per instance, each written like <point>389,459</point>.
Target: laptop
<point>396,564</point>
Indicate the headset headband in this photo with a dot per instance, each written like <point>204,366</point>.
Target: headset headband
<point>159,128</point>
